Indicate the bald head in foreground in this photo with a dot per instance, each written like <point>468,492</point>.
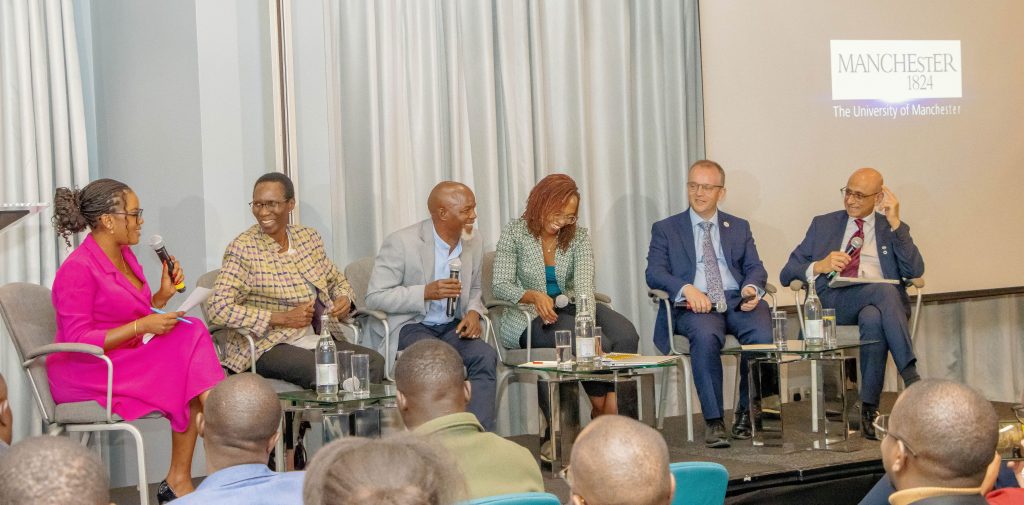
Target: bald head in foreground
<point>49,470</point>
<point>941,435</point>
<point>612,455</point>
<point>239,429</point>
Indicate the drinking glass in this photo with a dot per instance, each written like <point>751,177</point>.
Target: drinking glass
<point>345,370</point>
<point>828,316</point>
<point>779,329</point>
<point>598,338</point>
<point>361,373</point>
<point>563,342</point>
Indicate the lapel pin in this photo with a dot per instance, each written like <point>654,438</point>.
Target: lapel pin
<point>725,224</point>
<point>885,250</point>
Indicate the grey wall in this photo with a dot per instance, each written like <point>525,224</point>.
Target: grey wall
<point>178,107</point>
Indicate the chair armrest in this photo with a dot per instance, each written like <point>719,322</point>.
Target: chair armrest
<point>84,349</point>
<point>917,282</point>
<point>376,314</point>
<point>55,348</point>
<point>657,295</point>
<point>500,303</point>
<point>770,288</point>
<point>796,285</point>
<point>602,298</point>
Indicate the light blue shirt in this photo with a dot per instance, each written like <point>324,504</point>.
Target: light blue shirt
<point>700,278</point>
<point>436,308</point>
<point>251,484</point>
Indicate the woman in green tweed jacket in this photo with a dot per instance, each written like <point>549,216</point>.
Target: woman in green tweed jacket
<point>542,255</point>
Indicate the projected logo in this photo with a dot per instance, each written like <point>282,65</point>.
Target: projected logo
<point>895,70</point>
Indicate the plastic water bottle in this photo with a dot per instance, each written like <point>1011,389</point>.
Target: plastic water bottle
<point>326,362</point>
<point>585,349</point>
<point>814,327</point>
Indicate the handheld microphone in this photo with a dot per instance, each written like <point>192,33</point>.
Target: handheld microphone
<point>454,266</point>
<point>561,301</point>
<point>855,244</point>
<point>718,306</point>
<point>157,243</point>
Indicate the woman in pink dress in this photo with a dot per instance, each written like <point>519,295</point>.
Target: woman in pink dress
<point>101,298</point>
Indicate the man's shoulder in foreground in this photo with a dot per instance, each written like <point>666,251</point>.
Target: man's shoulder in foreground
<point>253,484</point>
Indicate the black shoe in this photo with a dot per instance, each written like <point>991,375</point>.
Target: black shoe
<point>714,434</point>
<point>741,427</point>
<point>868,414</point>
<point>164,493</point>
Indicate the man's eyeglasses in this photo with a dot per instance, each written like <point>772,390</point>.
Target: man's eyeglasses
<point>562,218</point>
<point>271,205</point>
<point>856,195</point>
<point>137,214</point>
<point>693,187</point>
<point>881,425</point>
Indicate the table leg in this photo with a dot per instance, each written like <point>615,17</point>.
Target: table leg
<point>564,423</point>
<point>279,448</point>
<point>766,401</point>
<point>835,395</point>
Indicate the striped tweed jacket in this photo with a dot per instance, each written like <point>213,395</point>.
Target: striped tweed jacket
<point>519,266</point>
<point>255,280</point>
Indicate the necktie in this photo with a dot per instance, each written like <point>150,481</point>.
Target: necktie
<point>854,266</point>
<point>711,273</point>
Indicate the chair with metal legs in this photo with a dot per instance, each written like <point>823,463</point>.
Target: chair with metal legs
<point>679,346</point>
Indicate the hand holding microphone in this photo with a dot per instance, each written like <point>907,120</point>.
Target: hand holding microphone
<point>855,243</point>
<point>172,270</point>
<point>454,268</point>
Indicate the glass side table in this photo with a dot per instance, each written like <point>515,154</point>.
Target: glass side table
<point>343,415</point>
<point>834,392</point>
<point>634,392</point>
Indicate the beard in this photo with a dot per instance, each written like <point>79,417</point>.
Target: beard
<point>468,232</point>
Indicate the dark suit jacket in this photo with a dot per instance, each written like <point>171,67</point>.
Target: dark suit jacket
<point>897,253</point>
<point>672,260</point>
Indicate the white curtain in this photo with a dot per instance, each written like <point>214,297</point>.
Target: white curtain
<point>498,94</point>
<point>42,146</point>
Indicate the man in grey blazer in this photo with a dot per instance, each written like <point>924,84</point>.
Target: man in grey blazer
<point>411,283</point>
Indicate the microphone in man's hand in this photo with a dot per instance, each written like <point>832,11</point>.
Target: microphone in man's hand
<point>718,306</point>
<point>561,301</point>
<point>157,243</point>
<point>454,266</point>
<point>855,244</point>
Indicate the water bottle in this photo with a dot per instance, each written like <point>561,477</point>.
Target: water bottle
<point>326,362</point>
<point>585,351</point>
<point>814,327</point>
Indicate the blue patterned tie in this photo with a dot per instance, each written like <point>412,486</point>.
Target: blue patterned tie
<point>711,273</point>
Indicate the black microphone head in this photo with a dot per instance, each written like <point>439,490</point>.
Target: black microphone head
<point>156,242</point>
<point>455,265</point>
<point>856,242</point>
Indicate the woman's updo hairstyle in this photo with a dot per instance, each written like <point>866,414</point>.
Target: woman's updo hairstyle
<point>76,209</point>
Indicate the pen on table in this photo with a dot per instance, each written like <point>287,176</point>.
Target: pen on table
<point>182,319</point>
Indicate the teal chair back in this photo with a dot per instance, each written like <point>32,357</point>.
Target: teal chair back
<point>699,483</point>
<point>516,498</point>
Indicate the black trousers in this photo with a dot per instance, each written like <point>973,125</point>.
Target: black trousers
<point>298,366</point>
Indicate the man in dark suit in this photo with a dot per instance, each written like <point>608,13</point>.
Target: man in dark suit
<point>887,252</point>
<point>703,257</point>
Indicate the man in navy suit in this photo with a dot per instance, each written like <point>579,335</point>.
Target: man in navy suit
<point>887,252</point>
<point>702,258</point>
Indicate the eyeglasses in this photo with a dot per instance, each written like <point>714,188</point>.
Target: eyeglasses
<point>564,475</point>
<point>271,205</point>
<point>562,218</point>
<point>856,195</point>
<point>881,424</point>
<point>706,188</point>
<point>137,214</point>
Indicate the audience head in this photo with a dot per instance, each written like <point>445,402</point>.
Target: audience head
<point>239,422</point>
<point>614,453</point>
<point>452,208</point>
<point>97,206</point>
<point>862,192</point>
<point>49,470</point>
<point>705,187</point>
<point>431,382</point>
<point>400,470</point>
<point>273,199</point>
<point>940,433</point>
<point>6,418</point>
<point>552,208</point>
